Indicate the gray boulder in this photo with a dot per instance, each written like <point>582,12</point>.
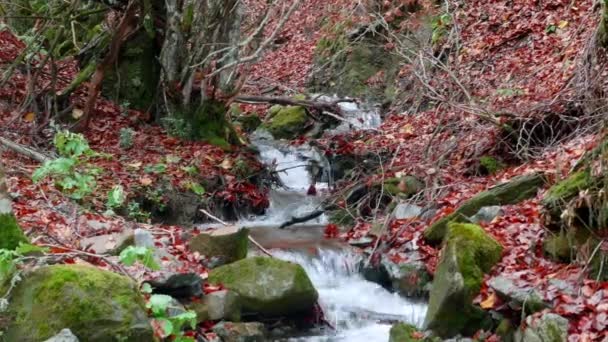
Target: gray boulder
<point>240,332</point>
<point>222,246</point>
<point>527,299</point>
<point>268,286</point>
<point>218,305</point>
<point>549,327</point>
<point>64,335</point>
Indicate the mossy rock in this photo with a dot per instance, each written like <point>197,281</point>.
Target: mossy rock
<point>468,253</point>
<point>290,122</point>
<point>559,246</point>
<point>227,245</point>
<point>11,234</point>
<point>403,332</point>
<point>560,194</point>
<point>249,123</point>
<point>406,186</point>
<point>549,327</point>
<point>514,191</point>
<point>268,286</point>
<point>96,305</point>
<point>490,165</point>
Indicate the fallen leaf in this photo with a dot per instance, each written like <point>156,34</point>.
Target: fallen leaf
<point>489,302</point>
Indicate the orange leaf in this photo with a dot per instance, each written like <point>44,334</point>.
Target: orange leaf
<point>489,302</point>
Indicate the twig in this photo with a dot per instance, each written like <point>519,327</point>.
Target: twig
<point>24,150</point>
<point>220,221</point>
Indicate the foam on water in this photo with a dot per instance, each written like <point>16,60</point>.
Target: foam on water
<point>352,304</point>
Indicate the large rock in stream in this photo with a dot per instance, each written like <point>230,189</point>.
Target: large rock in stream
<point>268,286</point>
<point>222,246</point>
<point>96,305</point>
<point>514,191</point>
<point>468,253</point>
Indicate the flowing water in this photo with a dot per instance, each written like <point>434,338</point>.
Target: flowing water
<point>358,309</point>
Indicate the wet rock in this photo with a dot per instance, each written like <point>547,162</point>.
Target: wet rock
<point>486,214</point>
<point>95,305</point>
<point>407,211</point>
<point>527,299</point>
<point>549,327</point>
<point>468,253</point>
<point>218,305</point>
<point>180,285</point>
<point>268,286</point>
<point>109,243</point>
<point>240,332</point>
<point>409,279</point>
<point>362,242</point>
<point>224,245</point>
<point>514,191</point>
<point>64,335</point>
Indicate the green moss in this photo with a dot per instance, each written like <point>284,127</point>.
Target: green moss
<point>477,253</point>
<point>559,194</point>
<point>289,122</point>
<point>96,305</point>
<point>135,79</point>
<point>402,332</point>
<point>230,247</point>
<point>268,286</point>
<point>249,123</point>
<point>468,253</point>
<point>490,165</point>
<point>511,192</point>
<point>11,234</point>
<point>559,246</point>
<point>410,185</point>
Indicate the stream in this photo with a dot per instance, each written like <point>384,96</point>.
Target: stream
<point>358,309</point>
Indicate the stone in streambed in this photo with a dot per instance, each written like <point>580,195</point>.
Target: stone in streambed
<point>96,305</point>
<point>526,299</point>
<point>64,335</point>
<point>225,245</point>
<point>240,332</point>
<point>268,286</point>
<point>511,192</point>
<point>178,285</point>
<point>549,327</point>
<point>218,305</point>
<point>403,332</point>
<point>468,253</point>
<point>288,123</point>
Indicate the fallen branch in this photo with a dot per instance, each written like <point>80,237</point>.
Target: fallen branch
<point>24,150</point>
<point>322,106</point>
<point>218,220</point>
<point>302,219</point>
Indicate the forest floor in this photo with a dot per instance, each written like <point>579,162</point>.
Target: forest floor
<point>492,57</point>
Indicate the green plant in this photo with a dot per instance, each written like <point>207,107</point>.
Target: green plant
<point>144,255</point>
<point>194,187</point>
<point>116,197</point>
<point>10,260</point>
<point>71,172</point>
<point>172,326</point>
<point>135,212</point>
<point>126,138</point>
<point>156,168</point>
<point>440,25</point>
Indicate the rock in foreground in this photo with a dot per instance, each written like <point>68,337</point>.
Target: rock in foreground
<point>469,252</point>
<point>268,286</point>
<point>96,305</point>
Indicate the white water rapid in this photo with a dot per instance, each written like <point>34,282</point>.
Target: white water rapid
<point>360,311</point>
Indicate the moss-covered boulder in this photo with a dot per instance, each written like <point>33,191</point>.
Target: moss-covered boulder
<point>268,286</point>
<point>406,186</point>
<point>95,305</point>
<point>468,253</point>
<point>559,195</point>
<point>560,246</point>
<point>511,192</point>
<point>289,122</point>
<point>11,234</point>
<point>222,246</point>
